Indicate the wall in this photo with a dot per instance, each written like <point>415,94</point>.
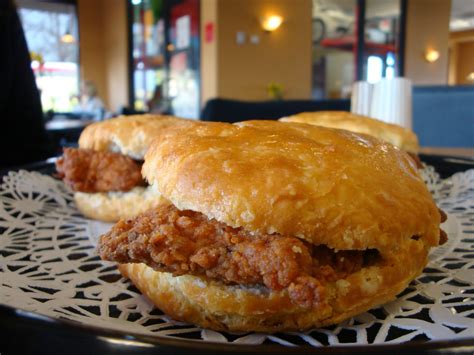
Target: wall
<point>116,52</point>
<point>427,26</point>
<point>104,50</point>
<point>465,63</point>
<point>244,71</point>
<point>461,57</point>
<point>91,45</point>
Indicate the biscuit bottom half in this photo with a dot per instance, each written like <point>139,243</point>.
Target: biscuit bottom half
<point>202,271</point>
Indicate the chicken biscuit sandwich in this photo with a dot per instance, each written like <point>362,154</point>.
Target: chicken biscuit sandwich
<point>275,226</point>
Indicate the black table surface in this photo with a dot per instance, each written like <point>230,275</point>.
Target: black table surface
<point>29,333</point>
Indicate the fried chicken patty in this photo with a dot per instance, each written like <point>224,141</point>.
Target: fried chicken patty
<point>187,242</point>
<point>416,159</point>
<point>87,170</point>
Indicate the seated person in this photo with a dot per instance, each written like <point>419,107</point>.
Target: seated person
<point>23,138</point>
<point>158,103</point>
<point>90,104</point>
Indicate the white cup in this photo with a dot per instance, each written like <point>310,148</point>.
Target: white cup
<point>392,102</point>
<point>361,98</point>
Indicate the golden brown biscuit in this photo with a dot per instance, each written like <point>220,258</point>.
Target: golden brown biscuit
<point>325,186</point>
<point>401,137</point>
<point>128,135</point>
<point>112,206</point>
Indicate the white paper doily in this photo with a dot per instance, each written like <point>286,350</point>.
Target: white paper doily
<point>48,265</point>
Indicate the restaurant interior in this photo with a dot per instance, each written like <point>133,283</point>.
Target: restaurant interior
<point>242,176</point>
<point>228,60</point>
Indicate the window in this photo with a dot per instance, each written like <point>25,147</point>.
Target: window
<point>165,56</point>
<point>374,69</point>
<point>354,40</point>
<point>52,36</point>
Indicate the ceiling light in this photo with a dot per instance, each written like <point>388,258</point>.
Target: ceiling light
<point>68,38</point>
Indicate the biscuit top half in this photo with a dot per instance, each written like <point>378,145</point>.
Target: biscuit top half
<point>326,186</point>
<point>399,136</point>
<point>128,135</point>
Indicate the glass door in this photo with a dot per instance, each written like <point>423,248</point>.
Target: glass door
<point>354,40</point>
<point>148,52</point>
<point>184,61</point>
<point>334,47</point>
<point>165,56</point>
<point>381,40</point>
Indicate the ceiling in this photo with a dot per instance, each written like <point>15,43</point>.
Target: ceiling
<point>462,11</point>
<point>462,15</point>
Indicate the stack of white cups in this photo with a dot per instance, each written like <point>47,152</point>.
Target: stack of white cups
<point>389,100</point>
<point>361,98</point>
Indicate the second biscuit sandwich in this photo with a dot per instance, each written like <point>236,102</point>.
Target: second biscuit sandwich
<point>105,171</point>
<point>400,137</point>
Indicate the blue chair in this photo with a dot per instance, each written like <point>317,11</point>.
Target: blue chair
<point>443,116</point>
<point>226,110</point>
